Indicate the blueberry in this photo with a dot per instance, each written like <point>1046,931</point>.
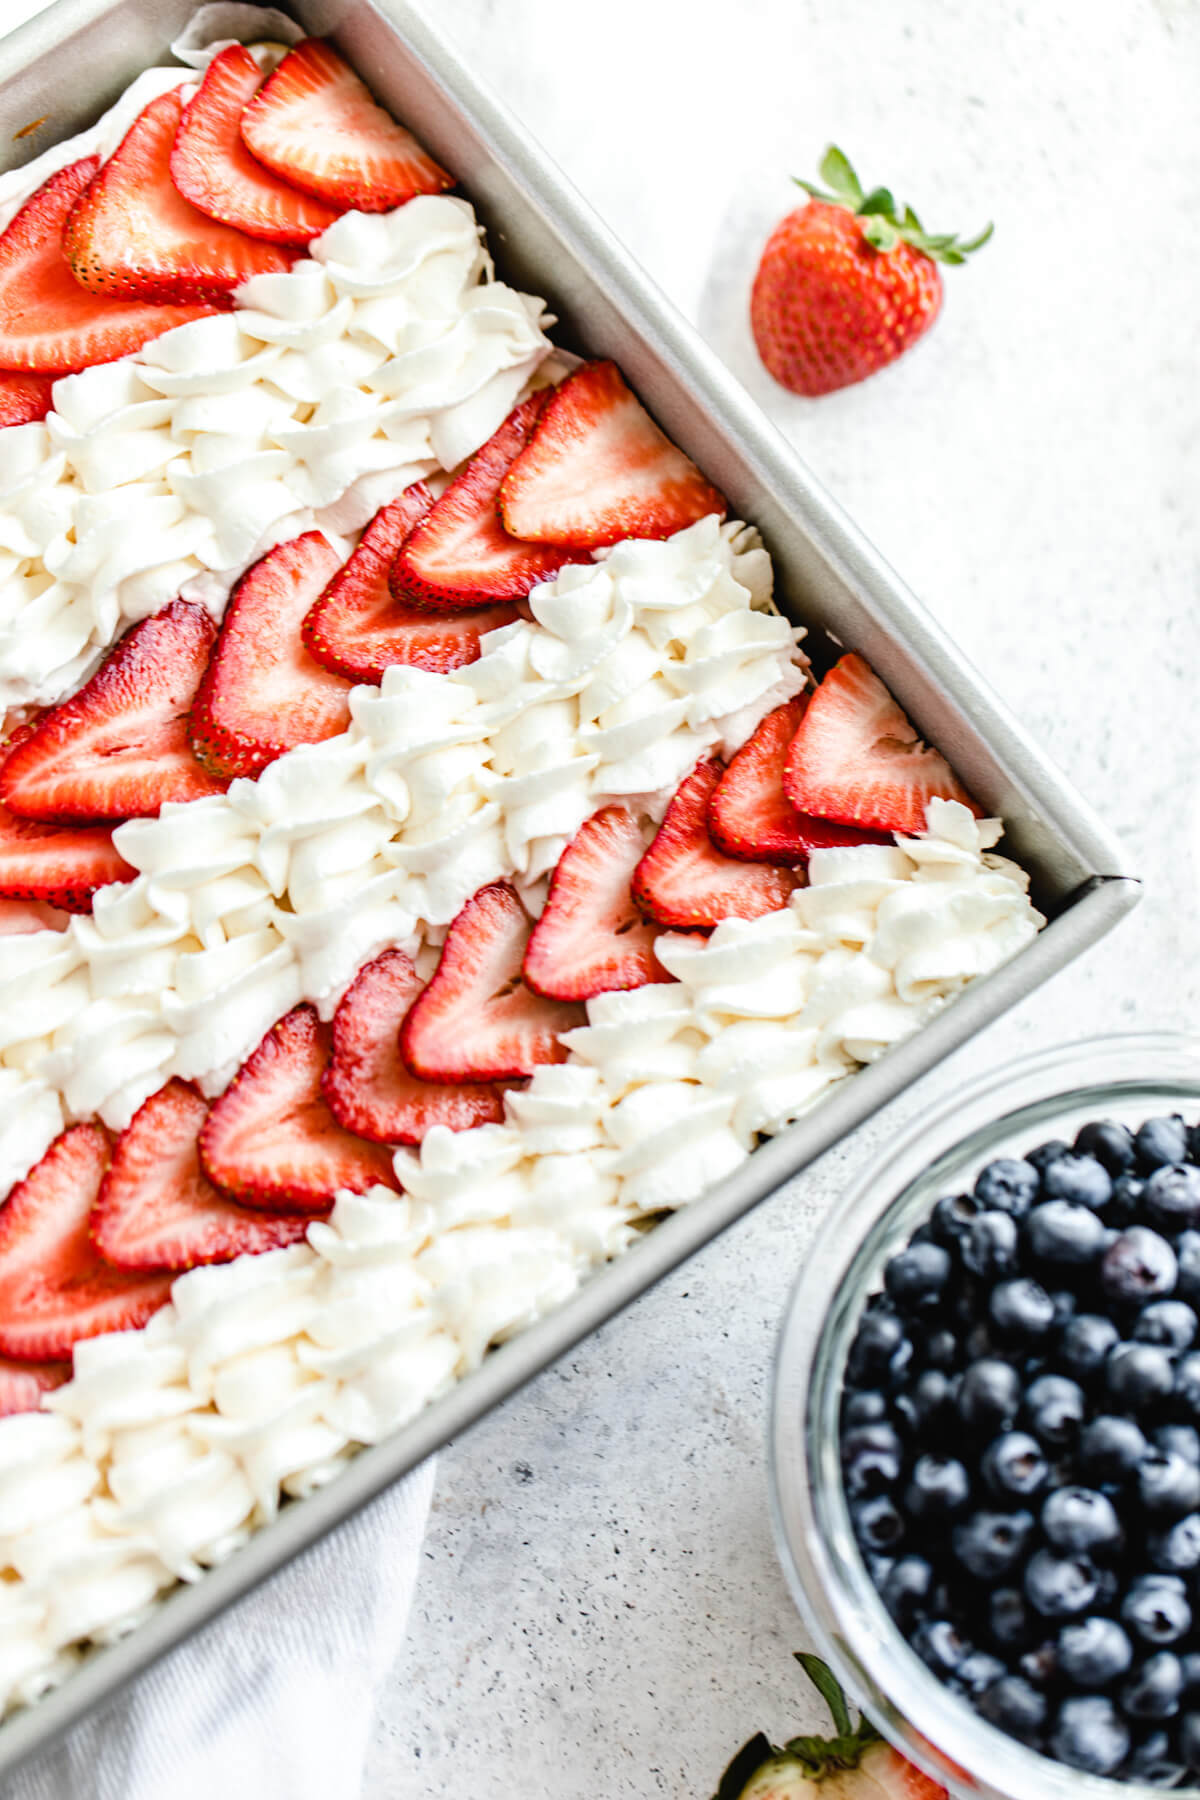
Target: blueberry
<point>1008,1619</point>
<point>1064,1234</point>
<point>1176,1551</point>
<point>1171,1198</point>
<point>1138,1375</point>
<point>1187,1255</point>
<point>933,1396</point>
<point>1138,1265</point>
<point>1093,1652</point>
<point>1082,1180</point>
<point>1059,1587</point>
<point>1170,1323</point>
<point>978,1670</point>
<point>939,1646</point>
<point>940,1349</point>
<point>1085,1344</point>
<point>1155,1689</point>
<point>917,1277</point>
<point>1054,1409</point>
<point>1168,1484</point>
<point>990,1544</point>
<point>1021,1310</point>
<point>1109,1143</point>
<point>1190,1664</point>
<point>1188,1739</point>
<point>989,1248</point>
<point>880,1352</point>
<point>1040,1665</point>
<point>877,1523</point>
<point>1047,1153</point>
<point>939,1487</point>
<point>1065,1304</point>
<point>1013,1466</point>
<point>989,1396</point>
<point>906,1587</point>
<point>872,1459</point>
<point>1125,1206</point>
<point>1090,1734</point>
<point>1156,1609</point>
<point>952,1218</point>
<point>1111,1448</point>
<point>1182,1440</point>
<point>1161,1141</point>
<point>1187,1383</point>
<point>863,1406</point>
<point>1153,1762</point>
<point>1080,1521</point>
<point>1014,1705</point>
<point>1007,1185</point>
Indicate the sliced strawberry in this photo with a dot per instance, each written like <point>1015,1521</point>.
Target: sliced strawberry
<point>358,629</point>
<point>54,1289</point>
<point>55,865</point>
<point>119,748</point>
<point>683,880</point>
<point>856,758</point>
<point>315,123</point>
<point>591,938</point>
<point>460,553</point>
<point>23,1384</point>
<point>368,1088</point>
<point>750,816</point>
<point>477,1021</point>
<point>24,398</point>
<point>270,1140</point>
<point>157,1209</point>
<point>48,322</point>
<point>20,917</point>
<point>262,693</point>
<point>211,166</point>
<point>131,233</point>
<point>598,469</point>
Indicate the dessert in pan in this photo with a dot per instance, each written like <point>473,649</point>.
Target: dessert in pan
<point>425,855</point>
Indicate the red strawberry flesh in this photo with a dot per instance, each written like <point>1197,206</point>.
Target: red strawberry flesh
<point>598,469</point>
<point>54,865</point>
<point>157,1209</point>
<point>750,816</point>
<point>262,693</point>
<point>22,1385</point>
<point>48,322</point>
<point>213,169</point>
<point>857,759</point>
<point>359,629</point>
<point>460,554</point>
<point>591,938</point>
<point>684,881</point>
<point>131,233</point>
<point>270,1139</point>
<point>368,1088</point>
<point>24,398</point>
<point>315,124</point>
<point>119,748</point>
<point>477,1021</point>
<point>54,1287</point>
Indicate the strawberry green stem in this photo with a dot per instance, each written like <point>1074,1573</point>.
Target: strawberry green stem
<point>885,223</point>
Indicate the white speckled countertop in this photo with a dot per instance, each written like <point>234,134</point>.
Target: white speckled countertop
<point>600,1611</point>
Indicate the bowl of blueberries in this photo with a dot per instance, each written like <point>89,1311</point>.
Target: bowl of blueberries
<point>985,1439</point>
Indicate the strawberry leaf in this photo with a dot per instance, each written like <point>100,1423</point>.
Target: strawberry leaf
<point>829,1688</point>
<point>885,224</point>
<point>879,200</point>
<point>836,171</point>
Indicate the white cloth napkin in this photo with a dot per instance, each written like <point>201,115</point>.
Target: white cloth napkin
<point>275,1701</point>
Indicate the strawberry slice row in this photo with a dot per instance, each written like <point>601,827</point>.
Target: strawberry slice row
<point>194,200</point>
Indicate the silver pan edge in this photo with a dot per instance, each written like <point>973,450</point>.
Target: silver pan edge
<point>71,62</point>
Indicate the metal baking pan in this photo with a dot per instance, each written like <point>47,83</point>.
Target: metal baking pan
<point>75,59</point>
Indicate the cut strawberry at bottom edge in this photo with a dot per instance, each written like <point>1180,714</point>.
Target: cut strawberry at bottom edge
<point>60,866</point>
<point>270,1139</point>
<point>157,1209</point>
<point>24,398</point>
<point>54,1288</point>
<point>23,1385</point>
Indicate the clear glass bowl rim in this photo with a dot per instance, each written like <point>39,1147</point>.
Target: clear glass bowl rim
<point>829,1584</point>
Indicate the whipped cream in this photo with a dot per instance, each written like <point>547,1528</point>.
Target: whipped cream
<point>247,902</point>
<point>389,354</point>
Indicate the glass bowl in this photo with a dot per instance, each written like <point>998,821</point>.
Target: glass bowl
<point>1047,1095</point>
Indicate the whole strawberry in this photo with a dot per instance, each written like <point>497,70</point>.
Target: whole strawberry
<point>846,283</point>
<point>854,1764</point>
